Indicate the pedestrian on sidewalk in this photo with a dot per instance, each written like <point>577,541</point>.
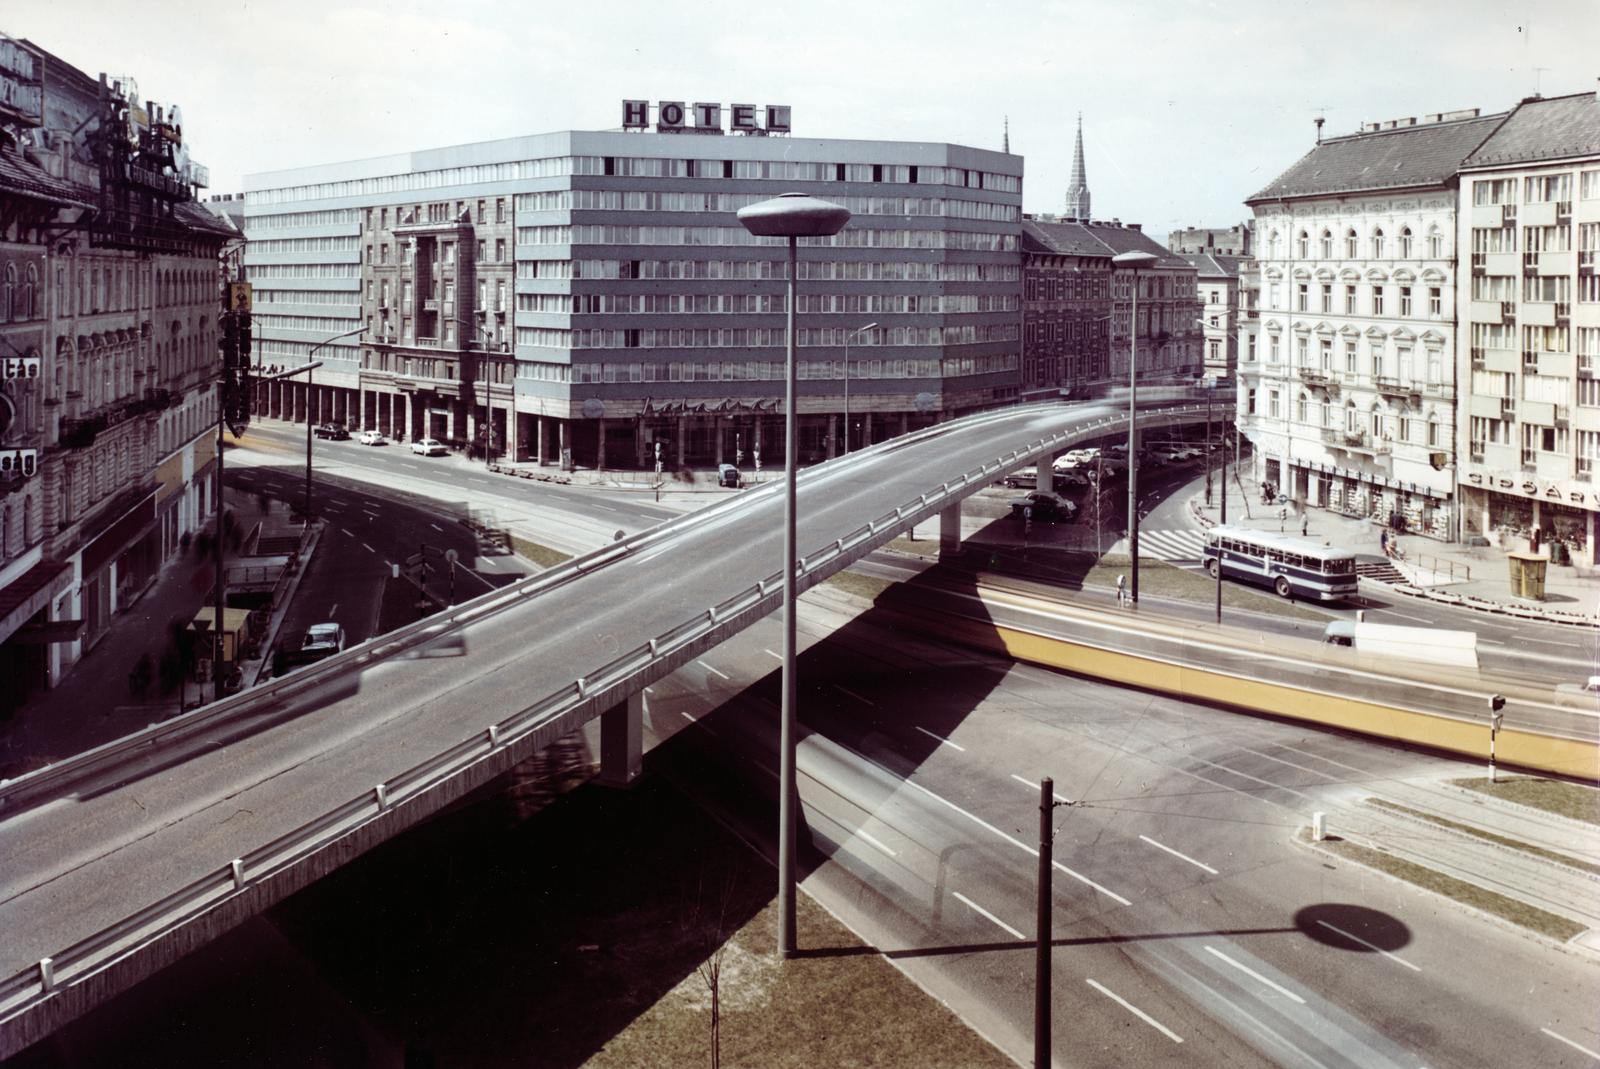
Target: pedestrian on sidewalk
<point>1122,590</point>
<point>1305,524</point>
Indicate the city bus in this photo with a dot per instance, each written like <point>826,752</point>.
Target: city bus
<point>1289,565</point>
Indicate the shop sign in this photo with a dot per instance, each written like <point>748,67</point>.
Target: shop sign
<point>1547,489</point>
<point>709,408</point>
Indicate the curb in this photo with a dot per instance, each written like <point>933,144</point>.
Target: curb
<point>270,641</point>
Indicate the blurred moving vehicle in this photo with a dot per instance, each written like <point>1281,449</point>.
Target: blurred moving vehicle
<point>429,447</point>
<point>1289,566</point>
<point>372,438</point>
<point>1580,695</point>
<point>1045,506</point>
<point>334,431</point>
<point>322,640</point>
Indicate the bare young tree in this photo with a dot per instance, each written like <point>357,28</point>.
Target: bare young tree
<point>710,971</point>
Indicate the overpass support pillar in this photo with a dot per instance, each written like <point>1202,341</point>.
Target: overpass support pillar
<point>1046,469</point>
<point>622,741</point>
<point>950,532</point>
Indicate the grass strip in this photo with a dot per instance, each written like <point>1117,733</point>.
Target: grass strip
<point>864,586</point>
<point>1519,913</point>
<point>1571,800</point>
<point>843,1006</point>
<point>543,556</point>
<point>1487,836</point>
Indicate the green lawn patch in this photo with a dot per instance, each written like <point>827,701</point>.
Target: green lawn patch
<point>543,556</point>
<point>1486,836</point>
<point>1519,913</point>
<point>1552,795</point>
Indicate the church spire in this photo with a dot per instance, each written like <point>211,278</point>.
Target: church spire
<point>1078,188</point>
<point>1005,142</point>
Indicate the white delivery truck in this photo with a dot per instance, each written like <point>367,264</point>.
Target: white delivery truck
<point>1426,644</point>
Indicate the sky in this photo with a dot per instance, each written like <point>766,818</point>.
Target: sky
<point>1189,106</point>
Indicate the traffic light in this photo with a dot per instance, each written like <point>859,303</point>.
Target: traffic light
<point>245,336</point>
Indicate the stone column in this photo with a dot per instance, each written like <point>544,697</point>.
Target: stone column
<point>866,429</point>
<point>638,442</point>
<point>682,420</point>
<point>622,741</point>
<point>1046,473</point>
<point>833,431</point>
<point>538,440</point>
<point>600,445</point>
<point>561,440</point>
<point>950,531</point>
<point>716,437</point>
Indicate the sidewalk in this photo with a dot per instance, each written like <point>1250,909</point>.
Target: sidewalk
<point>1467,572</point>
<point>92,704</point>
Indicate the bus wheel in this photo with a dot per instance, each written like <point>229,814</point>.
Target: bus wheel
<point>1282,587</point>
<point>1211,567</point>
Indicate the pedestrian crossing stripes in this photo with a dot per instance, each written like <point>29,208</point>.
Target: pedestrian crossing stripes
<point>1171,545</point>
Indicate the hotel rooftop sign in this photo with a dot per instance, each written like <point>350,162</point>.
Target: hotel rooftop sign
<point>676,117</point>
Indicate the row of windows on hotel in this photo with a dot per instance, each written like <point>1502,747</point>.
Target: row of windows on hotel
<point>762,303</point>
<point>1544,339</point>
<point>756,337</point>
<point>647,167</point>
<point>1537,189</point>
<point>1556,237</point>
<point>614,200</point>
<point>824,270</point>
<point>849,238</point>
<point>1549,389</point>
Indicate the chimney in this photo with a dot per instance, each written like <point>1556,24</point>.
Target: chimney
<point>1319,120</point>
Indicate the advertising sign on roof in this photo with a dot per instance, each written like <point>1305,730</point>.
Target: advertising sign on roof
<point>21,91</point>
<point>677,117</point>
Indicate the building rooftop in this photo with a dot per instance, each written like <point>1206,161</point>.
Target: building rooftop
<point>20,176</point>
<point>1392,157</point>
<point>1216,264</point>
<point>1071,238</point>
<point>1543,129</point>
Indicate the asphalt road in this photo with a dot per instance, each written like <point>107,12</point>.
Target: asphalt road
<point>364,534</point>
<point>455,476</point>
<point>1190,926</point>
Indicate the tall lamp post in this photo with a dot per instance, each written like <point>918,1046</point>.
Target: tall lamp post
<point>847,338</point>
<point>309,369</point>
<point>1133,261</point>
<point>792,216</point>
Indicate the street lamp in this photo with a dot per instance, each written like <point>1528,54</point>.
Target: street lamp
<point>488,395</point>
<point>1133,261</point>
<point>309,369</point>
<point>847,338</point>
<point>792,216</point>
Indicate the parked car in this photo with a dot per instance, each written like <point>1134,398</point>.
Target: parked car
<point>1045,506</point>
<point>1580,695</point>
<point>429,447</point>
<point>727,475</point>
<point>372,438</point>
<point>1021,477</point>
<point>322,640</point>
<point>335,431</point>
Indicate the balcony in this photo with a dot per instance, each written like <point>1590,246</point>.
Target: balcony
<point>1393,387</point>
<point>1356,442</point>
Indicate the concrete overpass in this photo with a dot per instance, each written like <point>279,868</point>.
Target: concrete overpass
<point>120,860</point>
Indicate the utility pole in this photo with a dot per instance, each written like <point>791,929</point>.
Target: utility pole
<point>1042,927</point>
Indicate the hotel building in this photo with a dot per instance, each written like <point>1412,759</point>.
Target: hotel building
<point>589,297</point>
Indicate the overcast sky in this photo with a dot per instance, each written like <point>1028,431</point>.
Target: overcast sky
<point>1188,106</point>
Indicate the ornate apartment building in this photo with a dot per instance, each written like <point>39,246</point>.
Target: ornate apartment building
<point>108,302</point>
<point>1224,283</point>
<point>1528,444</point>
<point>1351,397</point>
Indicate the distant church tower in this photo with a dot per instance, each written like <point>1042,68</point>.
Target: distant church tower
<point>1078,188</point>
<point>1005,142</point>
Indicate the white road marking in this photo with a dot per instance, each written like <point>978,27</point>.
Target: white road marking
<point>863,835</point>
<point>1032,852</point>
<point>779,656</point>
<point>853,694</point>
<point>1248,971</point>
<point>712,670</point>
<point>979,909</point>
<point>1185,857</point>
<point>1408,616</point>
<point>348,533</point>
<point>334,611</point>
<point>1369,946</point>
<point>1034,786</point>
<point>603,508</point>
<point>1558,642</point>
<point>1570,1043</point>
<point>941,741</point>
<point>436,527</point>
<point>368,548</point>
<point>1136,1011</point>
